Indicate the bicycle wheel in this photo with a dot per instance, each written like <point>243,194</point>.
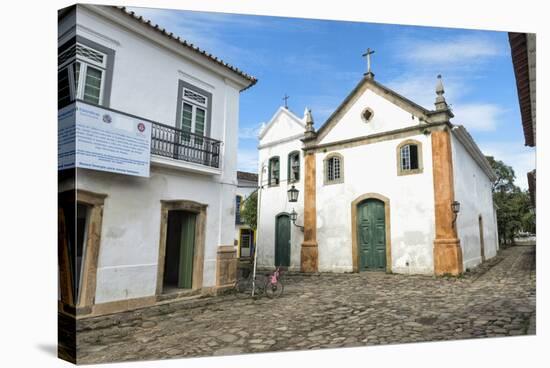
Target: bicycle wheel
<point>243,287</point>
<point>274,290</point>
<point>259,286</point>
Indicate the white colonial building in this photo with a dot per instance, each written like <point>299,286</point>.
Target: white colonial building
<point>128,240</point>
<point>277,140</point>
<point>245,236</point>
<point>384,184</point>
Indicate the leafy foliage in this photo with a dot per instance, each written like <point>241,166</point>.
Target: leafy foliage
<point>514,212</point>
<point>249,210</point>
<point>505,176</point>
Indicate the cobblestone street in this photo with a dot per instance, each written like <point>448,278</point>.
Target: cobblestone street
<point>324,311</point>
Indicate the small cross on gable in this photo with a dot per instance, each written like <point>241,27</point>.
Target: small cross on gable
<point>285,98</point>
<point>367,54</point>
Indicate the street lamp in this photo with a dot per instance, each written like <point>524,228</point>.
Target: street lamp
<point>455,206</point>
<point>293,217</point>
<point>293,194</point>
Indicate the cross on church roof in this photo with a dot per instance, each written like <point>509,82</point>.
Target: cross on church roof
<point>286,101</point>
<point>367,54</point>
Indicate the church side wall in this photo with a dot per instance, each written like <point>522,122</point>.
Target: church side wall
<point>274,200</point>
<point>372,168</point>
<point>473,191</point>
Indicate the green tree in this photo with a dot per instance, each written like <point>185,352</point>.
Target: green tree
<point>505,176</point>
<point>249,210</point>
<point>514,212</point>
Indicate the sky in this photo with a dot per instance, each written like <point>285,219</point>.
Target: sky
<point>318,62</point>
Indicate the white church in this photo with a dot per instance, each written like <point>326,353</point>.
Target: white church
<point>384,184</point>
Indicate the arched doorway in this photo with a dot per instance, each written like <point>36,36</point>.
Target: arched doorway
<point>282,240</point>
<point>371,233</point>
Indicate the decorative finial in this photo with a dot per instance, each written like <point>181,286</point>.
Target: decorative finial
<point>439,88</point>
<point>440,103</point>
<point>309,120</point>
<point>367,54</point>
<point>310,130</point>
<point>285,98</point>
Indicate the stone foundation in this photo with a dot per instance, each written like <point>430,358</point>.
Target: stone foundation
<point>309,257</point>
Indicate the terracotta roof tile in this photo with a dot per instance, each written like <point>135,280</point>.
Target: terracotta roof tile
<point>518,46</point>
<point>242,175</point>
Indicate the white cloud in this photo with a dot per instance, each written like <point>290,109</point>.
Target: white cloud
<point>178,23</point>
<point>205,30</point>
<point>515,154</point>
<point>247,160</point>
<point>322,106</point>
<point>420,88</point>
<point>458,51</point>
<point>251,132</point>
<point>478,116</point>
<point>321,113</point>
<point>460,60</point>
<point>316,64</point>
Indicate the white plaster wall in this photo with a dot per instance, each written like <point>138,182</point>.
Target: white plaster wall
<point>473,191</point>
<point>274,200</point>
<point>387,116</point>
<point>372,168</point>
<point>367,169</point>
<point>411,208</point>
<point>129,249</point>
<point>284,124</point>
<point>145,83</point>
<point>146,74</point>
<point>228,177</point>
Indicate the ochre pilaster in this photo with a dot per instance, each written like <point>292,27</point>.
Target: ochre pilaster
<point>309,255</point>
<point>447,249</point>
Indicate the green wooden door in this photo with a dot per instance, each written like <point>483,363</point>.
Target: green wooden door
<point>282,240</point>
<point>187,245</point>
<point>371,228</point>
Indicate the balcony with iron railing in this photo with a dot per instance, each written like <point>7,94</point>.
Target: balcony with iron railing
<point>175,148</point>
<point>174,143</point>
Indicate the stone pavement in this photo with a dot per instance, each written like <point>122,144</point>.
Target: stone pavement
<point>324,311</point>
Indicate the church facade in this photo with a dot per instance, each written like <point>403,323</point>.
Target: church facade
<point>384,184</point>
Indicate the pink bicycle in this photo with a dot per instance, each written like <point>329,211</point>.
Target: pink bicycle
<point>273,285</point>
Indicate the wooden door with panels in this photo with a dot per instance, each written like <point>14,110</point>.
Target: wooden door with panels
<point>371,228</point>
<point>282,240</point>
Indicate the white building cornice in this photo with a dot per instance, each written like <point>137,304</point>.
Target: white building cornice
<point>279,141</point>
